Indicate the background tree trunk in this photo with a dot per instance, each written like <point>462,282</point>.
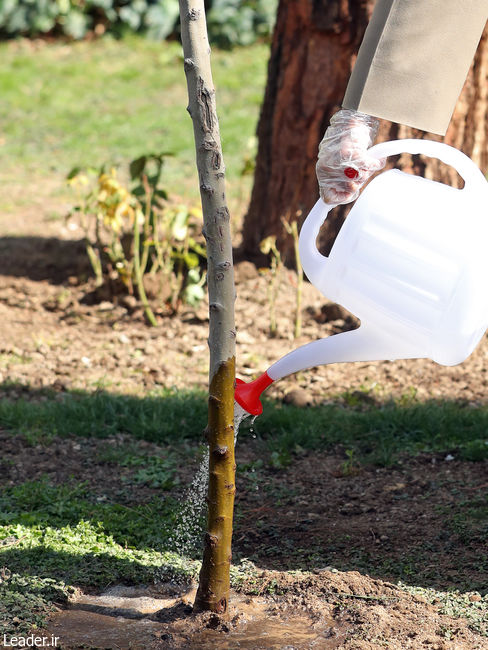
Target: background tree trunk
<point>313,51</point>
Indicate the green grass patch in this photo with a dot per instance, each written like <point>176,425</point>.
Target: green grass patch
<point>53,536</point>
<point>165,416</point>
<point>109,100</point>
<point>377,434</point>
<point>56,536</point>
<point>373,434</point>
<point>468,519</point>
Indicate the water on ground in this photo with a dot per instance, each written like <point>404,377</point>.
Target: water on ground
<point>186,539</point>
<point>143,618</point>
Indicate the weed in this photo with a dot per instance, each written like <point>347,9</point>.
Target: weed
<point>292,229</point>
<point>280,459</point>
<point>469,519</point>
<point>133,233</point>
<point>154,471</point>
<point>475,450</point>
<point>27,601</point>
<point>468,605</point>
<point>351,466</point>
<point>268,247</point>
<point>10,359</point>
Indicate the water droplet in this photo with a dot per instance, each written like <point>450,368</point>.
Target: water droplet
<point>240,414</point>
<point>187,536</point>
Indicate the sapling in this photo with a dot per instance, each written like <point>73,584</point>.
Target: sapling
<point>214,585</point>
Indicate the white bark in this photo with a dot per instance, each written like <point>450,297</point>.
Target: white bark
<point>214,585</point>
<point>211,173</point>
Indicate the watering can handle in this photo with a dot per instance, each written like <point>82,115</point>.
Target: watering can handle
<point>314,263</point>
<point>449,155</point>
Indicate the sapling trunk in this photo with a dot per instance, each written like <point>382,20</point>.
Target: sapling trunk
<point>214,586</point>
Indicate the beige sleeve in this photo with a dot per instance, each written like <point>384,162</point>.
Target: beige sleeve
<point>414,59</point>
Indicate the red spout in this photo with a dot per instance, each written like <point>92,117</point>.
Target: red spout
<point>247,395</point>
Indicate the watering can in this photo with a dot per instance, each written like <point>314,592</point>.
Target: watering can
<point>410,262</point>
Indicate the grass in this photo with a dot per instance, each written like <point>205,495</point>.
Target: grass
<point>112,100</point>
<point>54,537</point>
<point>378,435</point>
<point>169,415</point>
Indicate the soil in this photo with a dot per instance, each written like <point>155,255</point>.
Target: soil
<point>358,530</point>
<point>388,523</point>
<point>315,613</point>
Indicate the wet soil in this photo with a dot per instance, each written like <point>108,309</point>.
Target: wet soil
<point>156,617</point>
<point>325,611</point>
<point>388,524</point>
<point>327,548</point>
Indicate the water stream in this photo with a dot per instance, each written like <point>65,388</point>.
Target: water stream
<point>187,535</point>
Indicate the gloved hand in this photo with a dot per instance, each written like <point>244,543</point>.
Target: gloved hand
<point>343,164</point>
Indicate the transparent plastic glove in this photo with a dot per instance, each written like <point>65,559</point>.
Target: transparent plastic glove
<point>343,164</point>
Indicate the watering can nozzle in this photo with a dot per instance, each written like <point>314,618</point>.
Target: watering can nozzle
<point>247,395</point>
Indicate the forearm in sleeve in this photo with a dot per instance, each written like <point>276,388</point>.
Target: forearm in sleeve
<point>414,59</point>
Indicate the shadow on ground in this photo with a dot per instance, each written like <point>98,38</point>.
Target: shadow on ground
<point>421,519</point>
<point>43,258</point>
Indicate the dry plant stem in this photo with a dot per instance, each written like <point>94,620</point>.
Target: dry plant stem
<point>275,268</point>
<point>94,257</point>
<point>299,292</point>
<point>292,229</point>
<point>213,590</point>
<point>139,276</point>
<point>92,252</point>
<point>147,220</point>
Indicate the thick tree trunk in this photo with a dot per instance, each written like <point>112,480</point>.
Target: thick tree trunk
<point>213,590</point>
<point>313,50</point>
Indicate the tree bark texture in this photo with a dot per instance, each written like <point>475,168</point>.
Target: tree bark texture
<point>213,591</point>
<point>214,585</point>
<point>314,48</point>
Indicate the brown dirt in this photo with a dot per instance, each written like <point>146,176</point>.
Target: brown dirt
<point>57,332</point>
<point>347,611</point>
<point>389,524</point>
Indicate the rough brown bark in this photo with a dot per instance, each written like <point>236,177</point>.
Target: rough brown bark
<point>313,50</point>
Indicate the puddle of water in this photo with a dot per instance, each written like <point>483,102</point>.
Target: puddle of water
<point>82,629</point>
<point>137,618</point>
<point>121,617</point>
<point>292,634</point>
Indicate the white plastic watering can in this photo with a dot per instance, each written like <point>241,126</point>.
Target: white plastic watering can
<point>410,261</point>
